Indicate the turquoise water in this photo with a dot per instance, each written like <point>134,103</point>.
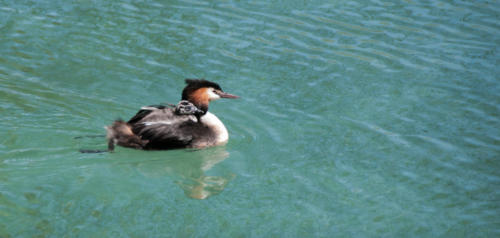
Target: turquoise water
<point>356,118</point>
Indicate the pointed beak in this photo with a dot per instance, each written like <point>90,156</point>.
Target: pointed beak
<point>226,95</point>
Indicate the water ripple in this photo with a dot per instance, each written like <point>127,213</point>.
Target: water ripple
<point>375,110</point>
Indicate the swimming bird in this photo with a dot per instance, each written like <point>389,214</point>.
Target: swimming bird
<point>187,125</point>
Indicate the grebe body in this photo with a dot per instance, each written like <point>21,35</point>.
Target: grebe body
<point>187,125</point>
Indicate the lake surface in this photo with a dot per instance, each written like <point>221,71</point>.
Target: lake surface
<point>356,118</point>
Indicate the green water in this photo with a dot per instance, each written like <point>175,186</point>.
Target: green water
<point>356,118</point>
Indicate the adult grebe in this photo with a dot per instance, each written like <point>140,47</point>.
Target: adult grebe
<point>187,125</point>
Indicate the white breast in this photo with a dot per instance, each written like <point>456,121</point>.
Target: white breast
<point>213,122</point>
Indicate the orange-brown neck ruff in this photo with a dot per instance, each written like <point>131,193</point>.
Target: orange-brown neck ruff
<point>200,98</point>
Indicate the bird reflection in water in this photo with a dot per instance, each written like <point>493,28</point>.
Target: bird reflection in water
<point>190,171</point>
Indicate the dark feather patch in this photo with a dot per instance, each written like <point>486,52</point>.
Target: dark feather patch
<point>143,113</point>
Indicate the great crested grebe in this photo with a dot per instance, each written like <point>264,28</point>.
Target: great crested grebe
<point>187,125</point>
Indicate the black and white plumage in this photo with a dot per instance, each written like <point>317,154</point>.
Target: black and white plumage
<point>184,107</point>
<point>187,125</point>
